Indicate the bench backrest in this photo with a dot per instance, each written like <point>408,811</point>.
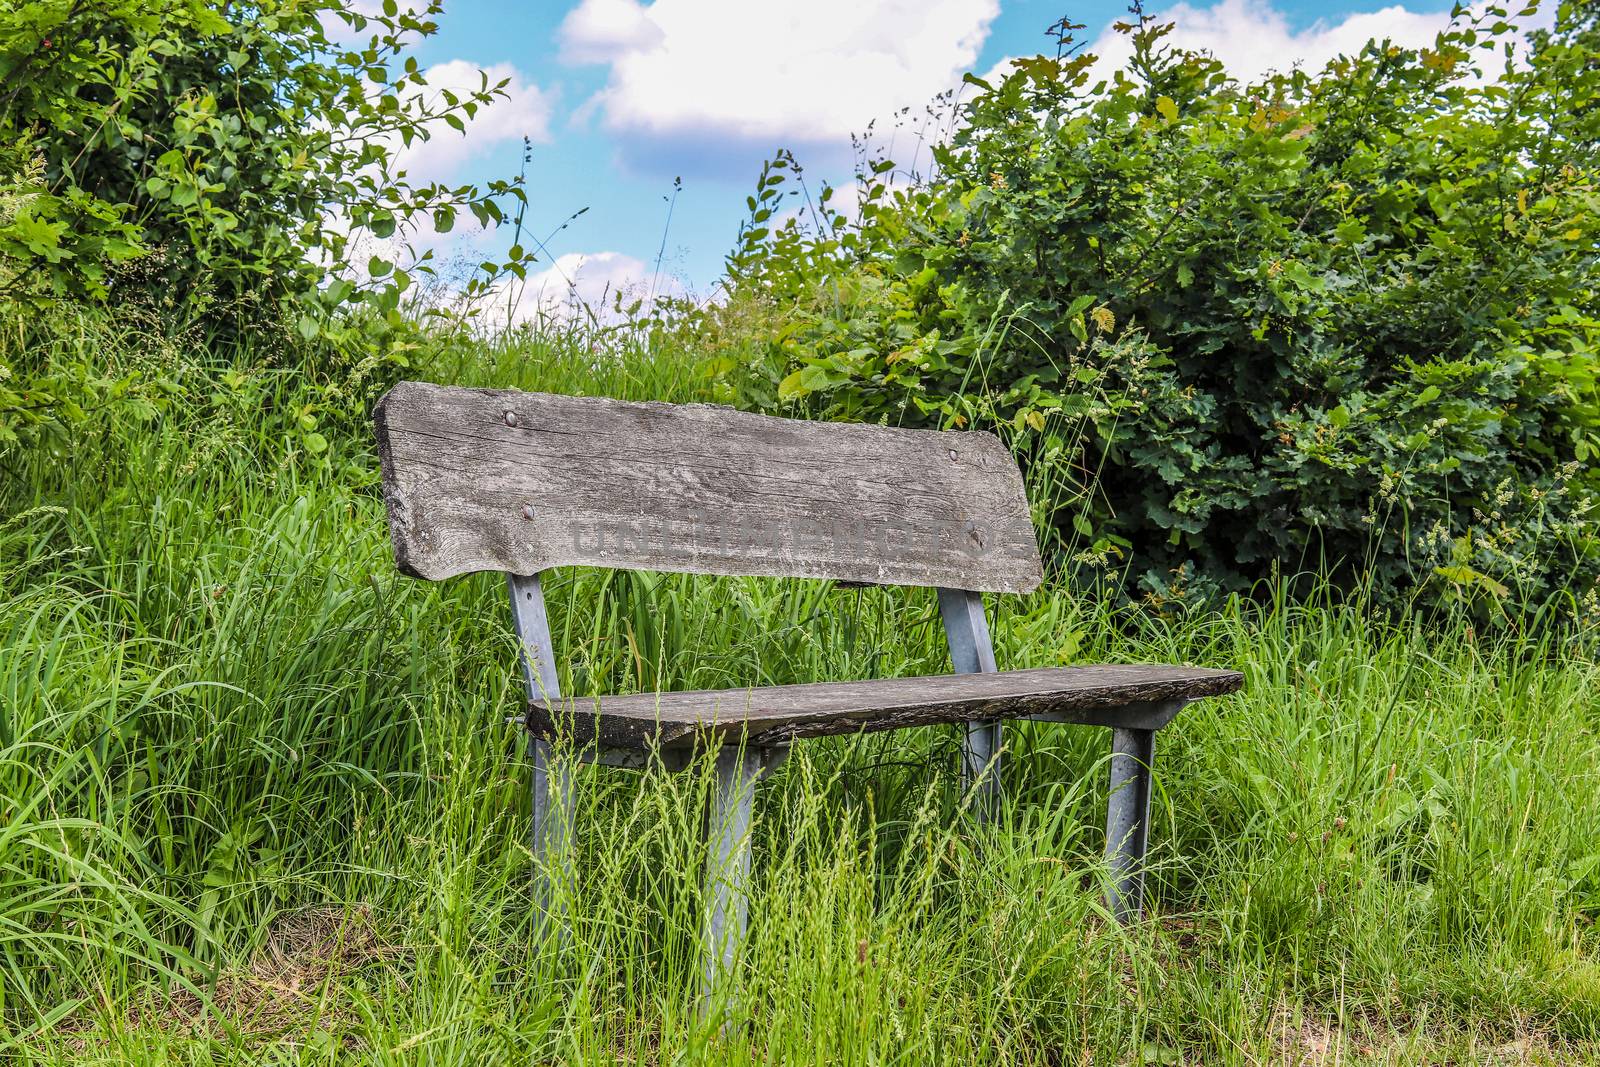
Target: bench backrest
<point>478,479</point>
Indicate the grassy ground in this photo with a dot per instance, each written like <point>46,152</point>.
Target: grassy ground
<point>259,802</point>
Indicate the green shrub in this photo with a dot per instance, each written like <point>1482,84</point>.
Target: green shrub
<point>240,142</point>
<point>1342,320</point>
<point>213,167</point>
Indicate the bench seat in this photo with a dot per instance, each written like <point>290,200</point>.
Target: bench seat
<point>1140,696</point>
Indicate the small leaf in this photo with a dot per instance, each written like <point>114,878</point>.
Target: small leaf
<point>1461,574</point>
<point>793,387</point>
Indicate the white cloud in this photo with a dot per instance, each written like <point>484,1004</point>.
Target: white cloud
<point>997,73</point>
<point>524,111</point>
<point>698,71</point>
<point>578,284</point>
<point>1251,37</point>
<point>598,30</point>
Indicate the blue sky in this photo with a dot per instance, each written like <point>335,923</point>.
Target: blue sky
<point>622,96</point>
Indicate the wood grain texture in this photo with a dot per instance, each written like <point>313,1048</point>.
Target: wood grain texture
<point>779,714</point>
<point>499,480</point>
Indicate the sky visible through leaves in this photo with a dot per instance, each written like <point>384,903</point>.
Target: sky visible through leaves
<point>620,97</point>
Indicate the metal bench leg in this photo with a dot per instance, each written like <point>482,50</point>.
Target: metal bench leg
<point>728,865</point>
<point>551,832</point>
<point>980,768</point>
<point>966,630</point>
<point>1133,754</point>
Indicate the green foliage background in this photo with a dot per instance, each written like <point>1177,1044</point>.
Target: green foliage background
<point>1342,321</point>
<point>214,168</point>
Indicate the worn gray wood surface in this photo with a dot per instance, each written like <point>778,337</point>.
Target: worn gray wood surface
<point>779,714</point>
<point>520,482</point>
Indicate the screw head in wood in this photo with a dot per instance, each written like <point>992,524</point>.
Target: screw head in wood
<point>527,512</point>
<point>511,418</point>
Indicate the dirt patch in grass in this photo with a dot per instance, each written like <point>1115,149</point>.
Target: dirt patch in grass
<point>1367,1038</point>
<point>290,984</point>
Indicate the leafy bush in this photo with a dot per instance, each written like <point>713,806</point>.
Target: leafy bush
<point>1343,320</point>
<point>216,165</point>
<point>240,139</point>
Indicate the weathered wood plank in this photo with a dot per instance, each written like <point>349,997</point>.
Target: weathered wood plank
<point>778,714</point>
<point>520,482</point>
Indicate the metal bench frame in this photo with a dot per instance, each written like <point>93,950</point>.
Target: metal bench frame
<point>738,768</point>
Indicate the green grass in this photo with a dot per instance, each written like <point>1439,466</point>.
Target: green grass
<point>259,801</point>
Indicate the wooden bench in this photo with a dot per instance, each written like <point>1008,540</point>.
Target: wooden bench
<point>521,482</point>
